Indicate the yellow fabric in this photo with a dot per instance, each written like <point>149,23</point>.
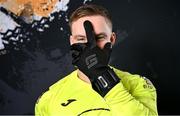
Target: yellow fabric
<point>134,95</point>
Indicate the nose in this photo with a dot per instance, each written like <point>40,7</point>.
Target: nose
<point>100,43</point>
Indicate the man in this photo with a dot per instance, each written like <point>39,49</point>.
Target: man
<point>95,88</point>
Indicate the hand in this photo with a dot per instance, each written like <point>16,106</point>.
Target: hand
<point>93,61</point>
<point>88,57</point>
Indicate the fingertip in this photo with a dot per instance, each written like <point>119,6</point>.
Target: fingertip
<point>108,45</point>
<point>90,34</point>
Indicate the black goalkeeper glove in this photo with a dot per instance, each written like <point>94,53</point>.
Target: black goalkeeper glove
<point>93,62</point>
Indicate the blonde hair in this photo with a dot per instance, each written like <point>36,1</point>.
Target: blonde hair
<point>90,10</point>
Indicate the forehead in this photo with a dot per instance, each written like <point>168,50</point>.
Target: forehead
<point>99,24</point>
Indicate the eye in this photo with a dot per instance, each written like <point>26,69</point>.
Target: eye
<point>80,39</point>
<point>100,37</point>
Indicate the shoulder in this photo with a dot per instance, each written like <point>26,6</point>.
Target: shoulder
<point>125,75</point>
<point>133,79</point>
<point>55,87</point>
<point>63,81</point>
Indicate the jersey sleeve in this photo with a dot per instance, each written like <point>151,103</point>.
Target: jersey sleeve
<point>41,104</point>
<point>134,95</point>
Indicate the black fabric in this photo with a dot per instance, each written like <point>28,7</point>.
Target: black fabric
<point>93,61</point>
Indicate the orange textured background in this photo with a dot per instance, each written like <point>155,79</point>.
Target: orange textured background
<point>40,7</point>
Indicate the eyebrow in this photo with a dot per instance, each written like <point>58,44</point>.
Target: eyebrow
<point>101,34</point>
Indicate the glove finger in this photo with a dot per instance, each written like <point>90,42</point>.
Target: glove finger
<point>107,52</point>
<point>76,50</point>
<point>75,60</point>
<point>78,46</point>
<point>90,34</point>
<point>107,47</point>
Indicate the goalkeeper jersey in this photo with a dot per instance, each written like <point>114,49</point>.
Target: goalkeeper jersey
<point>132,96</point>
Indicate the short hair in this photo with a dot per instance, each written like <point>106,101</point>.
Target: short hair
<point>90,10</point>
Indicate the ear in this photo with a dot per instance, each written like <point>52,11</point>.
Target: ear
<point>71,39</point>
<point>113,38</point>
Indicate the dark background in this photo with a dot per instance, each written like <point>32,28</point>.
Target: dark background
<point>148,44</point>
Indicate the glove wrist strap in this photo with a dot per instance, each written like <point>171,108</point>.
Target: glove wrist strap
<point>105,82</point>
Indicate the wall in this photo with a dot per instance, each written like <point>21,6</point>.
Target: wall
<point>34,48</point>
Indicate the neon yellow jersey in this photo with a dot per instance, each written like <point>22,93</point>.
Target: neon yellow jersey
<point>132,96</point>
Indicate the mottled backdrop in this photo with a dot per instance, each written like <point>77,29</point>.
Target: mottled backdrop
<point>34,47</point>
